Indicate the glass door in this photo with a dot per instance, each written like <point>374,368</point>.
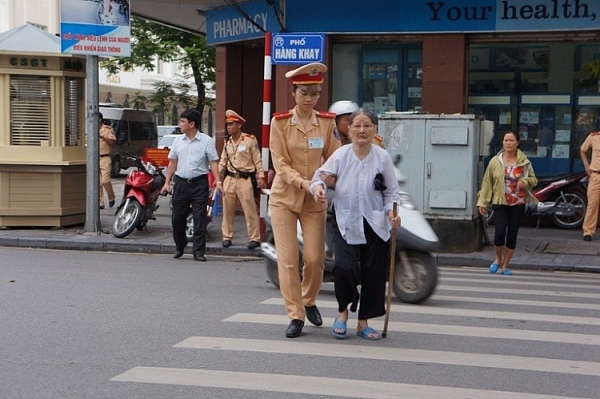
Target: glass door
<point>391,80</point>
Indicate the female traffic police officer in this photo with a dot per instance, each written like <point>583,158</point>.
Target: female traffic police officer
<point>300,139</point>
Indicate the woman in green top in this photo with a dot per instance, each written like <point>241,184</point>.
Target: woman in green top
<point>506,184</point>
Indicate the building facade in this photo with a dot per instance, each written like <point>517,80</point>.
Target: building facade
<point>520,64</point>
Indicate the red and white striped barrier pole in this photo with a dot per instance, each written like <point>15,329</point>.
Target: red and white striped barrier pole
<point>266,120</point>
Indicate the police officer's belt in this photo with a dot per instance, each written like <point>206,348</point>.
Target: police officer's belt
<point>243,175</point>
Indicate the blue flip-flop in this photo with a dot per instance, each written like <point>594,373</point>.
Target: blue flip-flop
<point>369,333</point>
<point>507,272</point>
<point>494,268</point>
<point>339,325</point>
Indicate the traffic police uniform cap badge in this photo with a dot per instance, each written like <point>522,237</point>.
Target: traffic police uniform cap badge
<point>232,116</point>
<point>309,74</point>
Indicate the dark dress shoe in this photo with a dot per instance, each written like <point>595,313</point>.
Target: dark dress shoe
<point>177,254</point>
<point>313,315</point>
<point>294,329</point>
<point>226,243</point>
<point>199,258</point>
<point>587,238</point>
<point>111,204</point>
<point>253,244</point>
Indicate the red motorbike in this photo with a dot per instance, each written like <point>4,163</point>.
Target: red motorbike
<point>141,191</point>
<point>563,198</point>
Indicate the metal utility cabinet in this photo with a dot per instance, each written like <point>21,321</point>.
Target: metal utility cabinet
<point>441,161</point>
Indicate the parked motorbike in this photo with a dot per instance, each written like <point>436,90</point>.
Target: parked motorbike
<point>563,198</point>
<point>140,194</point>
<point>415,273</point>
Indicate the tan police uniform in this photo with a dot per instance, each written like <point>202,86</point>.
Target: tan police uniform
<point>590,221</point>
<point>297,153</point>
<point>378,140</point>
<point>107,140</point>
<point>239,159</point>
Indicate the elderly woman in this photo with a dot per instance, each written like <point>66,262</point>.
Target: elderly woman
<point>365,191</point>
<point>300,140</point>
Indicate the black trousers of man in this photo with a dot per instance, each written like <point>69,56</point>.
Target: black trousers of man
<point>364,265</point>
<point>188,192</point>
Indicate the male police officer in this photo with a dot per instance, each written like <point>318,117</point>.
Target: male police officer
<point>240,163</point>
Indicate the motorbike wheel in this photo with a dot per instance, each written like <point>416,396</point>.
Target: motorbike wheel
<point>127,218</point>
<point>426,274</point>
<point>189,227</point>
<point>577,198</point>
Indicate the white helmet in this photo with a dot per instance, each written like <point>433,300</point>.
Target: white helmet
<point>343,107</point>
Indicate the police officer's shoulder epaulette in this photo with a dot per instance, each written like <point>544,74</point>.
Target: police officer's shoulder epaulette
<point>282,115</point>
<point>595,133</point>
<point>329,115</point>
<point>378,137</point>
<point>250,136</point>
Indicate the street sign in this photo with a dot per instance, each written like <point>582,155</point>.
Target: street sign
<point>297,48</point>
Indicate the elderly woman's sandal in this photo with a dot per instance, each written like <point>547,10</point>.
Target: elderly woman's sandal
<point>368,333</point>
<point>339,329</point>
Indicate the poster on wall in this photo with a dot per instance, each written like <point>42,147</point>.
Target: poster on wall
<point>99,28</point>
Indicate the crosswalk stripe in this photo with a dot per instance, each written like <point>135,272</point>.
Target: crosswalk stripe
<point>566,276</point>
<point>395,354</point>
<point>487,314</point>
<point>310,385</point>
<point>505,302</point>
<point>563,294</point>
<point>441,329</point>
<point>514,282</point>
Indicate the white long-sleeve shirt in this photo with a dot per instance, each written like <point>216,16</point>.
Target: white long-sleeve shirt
<point>355,194</point>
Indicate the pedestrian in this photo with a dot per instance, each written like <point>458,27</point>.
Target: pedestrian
<point>192,157</point>
<point>342,110</point>
<point>105,147</point>
<point>506,185</point>
<point>365,191</point>
<point>239,165</point>
<point>300,139</point>
<point>590,221</point>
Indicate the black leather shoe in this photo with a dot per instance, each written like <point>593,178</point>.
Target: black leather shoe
<point>313,315</point>
<point>253,244</point>
<point>587,238</point>
<point>199,258</point>
<point>226,243</point>
<point>177,254</point>
<point>294,329</point>
<point>111,204</point>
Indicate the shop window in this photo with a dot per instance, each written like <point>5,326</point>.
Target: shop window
<point>29,110</point>
<point>74,95</point>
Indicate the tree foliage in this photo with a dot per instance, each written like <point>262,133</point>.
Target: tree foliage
<point>151,41</point>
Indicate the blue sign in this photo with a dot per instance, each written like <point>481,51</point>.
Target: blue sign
<point>95,28</point>
<point>228,24</point>
<point>417,16</point>
<point>297,48</point>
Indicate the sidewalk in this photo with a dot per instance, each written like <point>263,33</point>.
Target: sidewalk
<point>545,248</point>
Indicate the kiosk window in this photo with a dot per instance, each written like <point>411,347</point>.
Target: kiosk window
<point>74,96</point>
<point>29,110</point>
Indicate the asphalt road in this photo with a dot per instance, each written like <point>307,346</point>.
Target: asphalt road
<point>81,324</point>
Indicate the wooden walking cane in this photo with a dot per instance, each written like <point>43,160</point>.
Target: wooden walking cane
<point>388,304</point>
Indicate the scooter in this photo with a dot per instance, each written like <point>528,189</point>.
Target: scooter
<point>140,194</point>
<point>415,272</point>
<point>563,198</point>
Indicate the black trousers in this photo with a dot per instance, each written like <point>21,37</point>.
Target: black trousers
<point>186,194</point>
<point>507,220</point>
<point>365,265</point>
